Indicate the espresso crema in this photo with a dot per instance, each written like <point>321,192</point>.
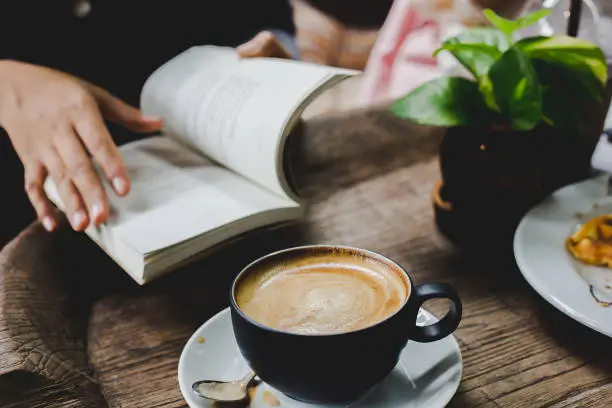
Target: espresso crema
<point>322,293</point>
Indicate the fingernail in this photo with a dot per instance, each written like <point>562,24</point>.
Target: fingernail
<point>78,219</point>
<point>48,223</point>
<point>120,185</point>
<point>151,118</point>
<point>96,211</point>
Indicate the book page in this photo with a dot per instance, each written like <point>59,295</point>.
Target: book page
<point>234,110</point>
<point>177,195</point>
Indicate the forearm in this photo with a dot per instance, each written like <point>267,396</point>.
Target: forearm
<point>5,68</point>
<point>10,71</point>
<point>6,72</point>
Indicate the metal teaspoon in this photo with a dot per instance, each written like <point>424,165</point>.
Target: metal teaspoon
<point>224,391</point>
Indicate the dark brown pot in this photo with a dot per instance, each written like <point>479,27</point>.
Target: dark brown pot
<point>491,178</point>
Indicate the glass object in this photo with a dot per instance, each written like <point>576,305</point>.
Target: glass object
<point>557,22</point>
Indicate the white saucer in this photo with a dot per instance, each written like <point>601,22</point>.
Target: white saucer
<point>539,248</point>
<point>427,375</point>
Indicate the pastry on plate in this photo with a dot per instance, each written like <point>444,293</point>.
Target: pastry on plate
<point>592,243</point>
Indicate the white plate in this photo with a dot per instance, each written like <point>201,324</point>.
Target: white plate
<point>427,375</point>
<point>539,248</point>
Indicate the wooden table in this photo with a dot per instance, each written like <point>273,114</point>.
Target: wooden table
<point>77,332</point>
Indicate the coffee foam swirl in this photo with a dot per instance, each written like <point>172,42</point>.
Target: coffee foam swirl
<point>323,294</point>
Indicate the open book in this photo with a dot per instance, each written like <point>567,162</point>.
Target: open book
<point>218,169</point>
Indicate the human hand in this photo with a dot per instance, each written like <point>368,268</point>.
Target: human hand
<point>264,44</point>
<point>55,121</point>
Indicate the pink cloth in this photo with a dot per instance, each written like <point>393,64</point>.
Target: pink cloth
<point>402,57</point>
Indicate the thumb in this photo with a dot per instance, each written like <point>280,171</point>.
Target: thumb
<point>117,111</point>
<point>264,44</point>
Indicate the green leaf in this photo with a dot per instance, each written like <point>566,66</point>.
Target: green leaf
<point>477,58</point>
<point>563,96</point>
<point>486,89</point>
<point>517,90</point>
<point>458,48</point>
<point>481,35</point>
<point>509,27</point>
<point>476,49</point>
<point>532,18</point>
<point>506,26</point>
<point>447,101</point>
<point>585,59</point>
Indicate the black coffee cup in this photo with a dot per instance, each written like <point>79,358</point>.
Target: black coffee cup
<point>336,368</point>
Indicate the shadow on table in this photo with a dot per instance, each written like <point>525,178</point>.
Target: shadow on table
<point>505,287</point>
<point>588,344</point>
<point>17,390</point>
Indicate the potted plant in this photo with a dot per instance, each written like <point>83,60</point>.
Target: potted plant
<point>515,125</point>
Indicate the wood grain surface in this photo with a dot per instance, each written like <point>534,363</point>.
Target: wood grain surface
<point>75,331</point>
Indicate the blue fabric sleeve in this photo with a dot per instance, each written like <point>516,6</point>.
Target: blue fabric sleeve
<point>288,41</point>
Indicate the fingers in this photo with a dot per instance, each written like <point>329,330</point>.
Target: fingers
<point>123,114</point>
<point>54,121</point>
<point>84,178</point>
<point>66,160</point>
<point>263,44</point>
<point>35,175</point>
<point>73,203</point>
<point>89,125</point>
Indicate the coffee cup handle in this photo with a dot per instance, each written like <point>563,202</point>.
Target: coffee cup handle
<point>446,325</point>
